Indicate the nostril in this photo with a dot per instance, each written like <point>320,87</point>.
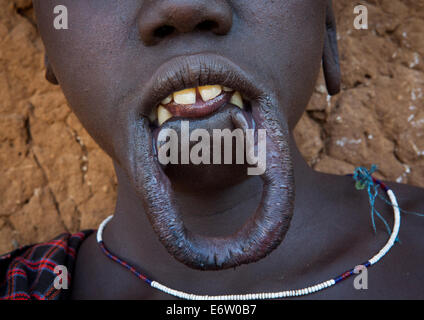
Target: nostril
<point>207,25</point>
<point>163,31</point>
<point>158,20</point>
<point>166,30</point>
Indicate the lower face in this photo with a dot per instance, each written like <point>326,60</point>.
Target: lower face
<point>126,85</point>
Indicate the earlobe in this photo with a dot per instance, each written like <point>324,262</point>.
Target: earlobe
<point>50,76</point>
<point>330,57</point>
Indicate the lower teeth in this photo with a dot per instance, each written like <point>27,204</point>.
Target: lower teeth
<point>163,114</point>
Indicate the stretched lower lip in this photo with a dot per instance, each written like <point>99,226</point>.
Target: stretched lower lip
<point>199,108</point>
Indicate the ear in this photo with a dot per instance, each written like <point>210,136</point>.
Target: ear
<point>50,76</point>
<point>330,59</point>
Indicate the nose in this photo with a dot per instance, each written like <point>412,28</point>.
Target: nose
<point>161,19</point>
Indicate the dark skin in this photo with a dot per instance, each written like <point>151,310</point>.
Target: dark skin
<point>104,65</point>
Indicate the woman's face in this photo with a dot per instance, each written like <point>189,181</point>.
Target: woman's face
<point>113,49</point>
<point>119,59</point>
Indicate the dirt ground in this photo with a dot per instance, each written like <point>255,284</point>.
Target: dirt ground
<point>54,178</point>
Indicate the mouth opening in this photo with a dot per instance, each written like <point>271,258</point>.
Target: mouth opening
<point>196,103</point>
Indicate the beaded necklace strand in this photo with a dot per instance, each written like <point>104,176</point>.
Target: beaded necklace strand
<point>269,295</point>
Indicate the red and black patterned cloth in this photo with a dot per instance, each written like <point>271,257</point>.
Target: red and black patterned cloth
<point>28,273</point>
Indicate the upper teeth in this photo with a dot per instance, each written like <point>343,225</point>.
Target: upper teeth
<point>209,92</point>
<point>167,100</point>
<point>189,96</point>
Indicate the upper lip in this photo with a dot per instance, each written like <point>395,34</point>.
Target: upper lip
<point>196,70</point>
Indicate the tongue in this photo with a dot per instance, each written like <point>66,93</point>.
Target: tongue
<point>199,108</point>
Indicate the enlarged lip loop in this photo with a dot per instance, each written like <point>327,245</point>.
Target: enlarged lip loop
<point>262,232</point>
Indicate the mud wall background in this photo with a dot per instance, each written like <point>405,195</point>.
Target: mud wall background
<point>54,178</point>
